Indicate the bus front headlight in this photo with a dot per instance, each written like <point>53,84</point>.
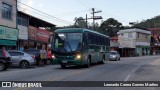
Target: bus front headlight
<point>53,56</point>
<point>78,56</point>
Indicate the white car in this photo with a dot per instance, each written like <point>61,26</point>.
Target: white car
<point>21,59</point>
<point>114,55</point>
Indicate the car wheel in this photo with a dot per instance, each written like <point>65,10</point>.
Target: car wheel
<point>2,66</point>
<point>115,59</point>
<point>24,64</point>
<point>88,63</point>
<point>63,66</point>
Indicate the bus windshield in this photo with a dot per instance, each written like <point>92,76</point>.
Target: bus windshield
<point>67,42</point>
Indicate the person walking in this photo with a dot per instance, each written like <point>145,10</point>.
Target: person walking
<point>49,55</point>
<point>43,56</point>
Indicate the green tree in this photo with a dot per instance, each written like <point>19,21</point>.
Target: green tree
<point>110,27</point>
<point>91,26</point>
<point>80,22</point>
<point>149,23</point>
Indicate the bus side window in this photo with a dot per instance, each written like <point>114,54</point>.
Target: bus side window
<point>85,39</point>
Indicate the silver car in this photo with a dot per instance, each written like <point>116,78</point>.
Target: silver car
<point>21,59</point>
<point>114,55</point>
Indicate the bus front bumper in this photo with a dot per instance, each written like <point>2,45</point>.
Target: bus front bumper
<point>67,62</point>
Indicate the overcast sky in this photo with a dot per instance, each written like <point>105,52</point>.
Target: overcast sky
<point>124,11</point>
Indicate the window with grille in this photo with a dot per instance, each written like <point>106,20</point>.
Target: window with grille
<point>129,35</point>
<point>6,11</point>
<point>22,21</point>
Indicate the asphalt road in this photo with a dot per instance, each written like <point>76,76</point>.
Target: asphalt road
<point>145,68</point>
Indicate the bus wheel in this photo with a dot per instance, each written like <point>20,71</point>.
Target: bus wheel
<point>63,66</point>
<point>103,60</point>
<point>88,63</point>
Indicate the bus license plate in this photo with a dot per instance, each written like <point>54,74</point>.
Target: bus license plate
<point>64,61</point>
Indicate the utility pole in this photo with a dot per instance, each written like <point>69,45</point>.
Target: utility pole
<point>86,21</point>
<point>82,19</point>
<point>95,17</point>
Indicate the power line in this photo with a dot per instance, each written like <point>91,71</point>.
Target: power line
<point>45,13</point>
<point>34,12</point>
<point>90,3</point>
<point>73,12</point>
<point>47,17</point>
<point>84,4</point>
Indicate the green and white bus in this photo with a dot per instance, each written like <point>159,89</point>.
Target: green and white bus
<point>77,46</point>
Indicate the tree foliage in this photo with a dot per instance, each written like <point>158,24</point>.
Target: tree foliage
<point>149,23</point>
<point>80,22</point>
<point>110,27</point>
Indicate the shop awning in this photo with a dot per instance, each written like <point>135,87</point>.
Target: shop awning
<point>8,42</point>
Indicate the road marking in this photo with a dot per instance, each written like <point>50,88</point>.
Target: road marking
<point>127,78</point>
<point>133,71</point>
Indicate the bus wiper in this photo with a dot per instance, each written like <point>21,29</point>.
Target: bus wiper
<point>68,45</point>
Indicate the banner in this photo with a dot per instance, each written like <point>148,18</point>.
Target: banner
<point>8,33</point>
<point>38,34</point>
<point>42,35</point>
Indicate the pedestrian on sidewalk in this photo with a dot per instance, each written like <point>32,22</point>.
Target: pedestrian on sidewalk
<point>43,56</point>
<point>49,56</point>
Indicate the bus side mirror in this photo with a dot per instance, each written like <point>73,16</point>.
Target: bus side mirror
<point>51,37</point>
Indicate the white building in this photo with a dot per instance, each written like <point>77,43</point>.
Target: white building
<point>136,40</point>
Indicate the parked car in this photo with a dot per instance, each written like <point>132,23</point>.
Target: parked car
<point>21,59</point>
<point>5,60</point>
<point>35,53</point>
<point>114,55</point>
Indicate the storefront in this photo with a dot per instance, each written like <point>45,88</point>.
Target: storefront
<point>22,37</point>
<point>37,37</point>
<point>8,37</point>
<point>126,51</point>
<point>143,50</point>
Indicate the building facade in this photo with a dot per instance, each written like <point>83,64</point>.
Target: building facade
<point>38,37</point>
<point>31,34</point>
<point>155,40</point>
<point>8,24</point>
<point>114,45</point>
<point>134,42</point>
<point>23,26</point>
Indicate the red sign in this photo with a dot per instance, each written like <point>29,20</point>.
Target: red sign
<point>32,33</point>
<point>38,34</point>
<point>42,35</point>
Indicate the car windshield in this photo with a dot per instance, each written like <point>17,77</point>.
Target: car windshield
<point>67,42</point>
<point>113,53</point>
